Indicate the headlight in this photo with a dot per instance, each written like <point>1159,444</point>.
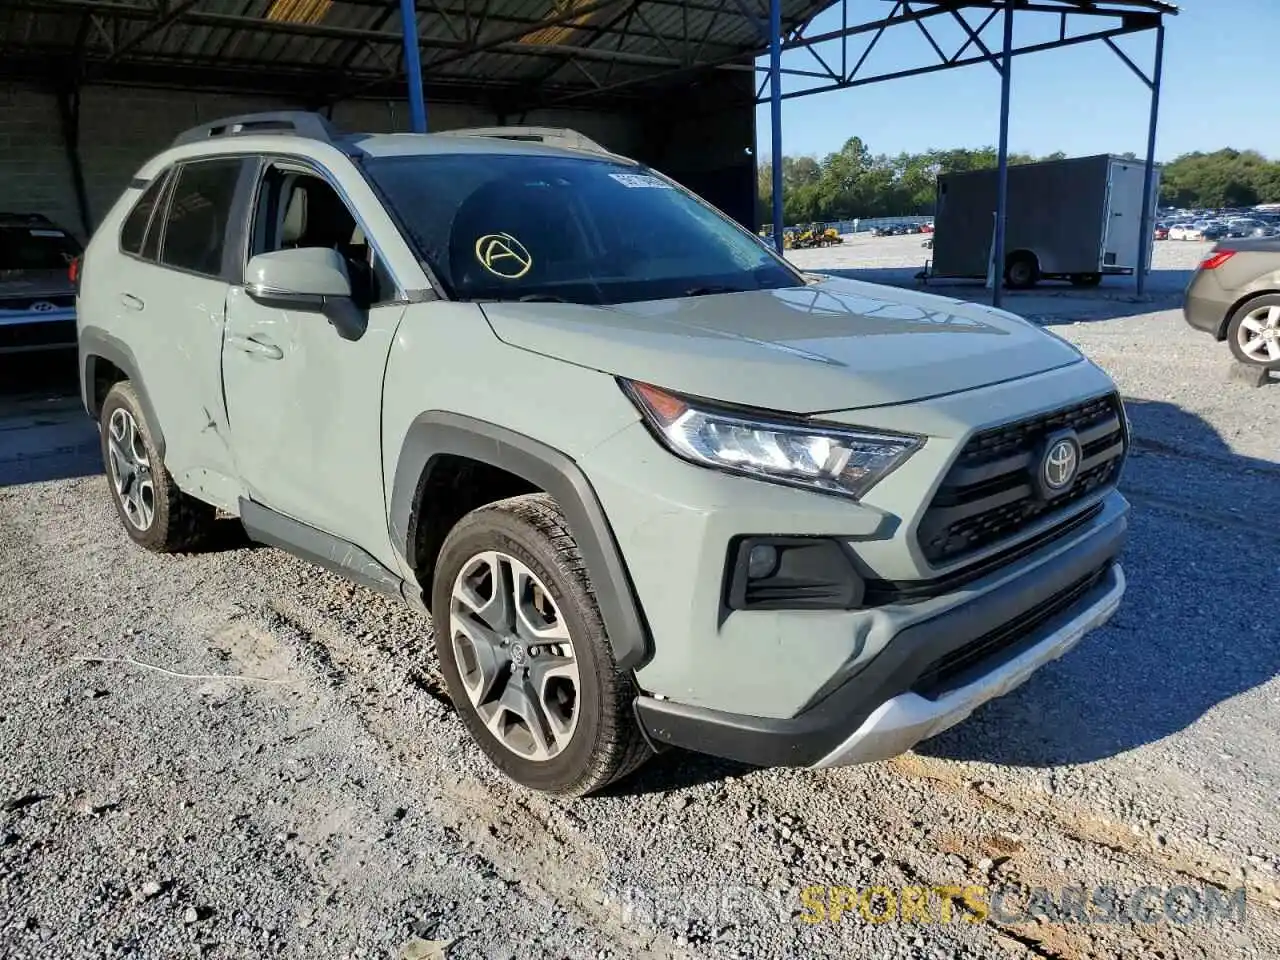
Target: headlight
<point>816,456</point>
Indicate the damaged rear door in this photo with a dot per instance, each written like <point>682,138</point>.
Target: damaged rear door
<point>171,297</point>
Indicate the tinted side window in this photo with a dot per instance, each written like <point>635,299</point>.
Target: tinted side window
<point>135,225</point>
<point>196,226</point>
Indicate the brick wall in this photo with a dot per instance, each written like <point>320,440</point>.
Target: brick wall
<point>121,127</point>
<point>34,175</point>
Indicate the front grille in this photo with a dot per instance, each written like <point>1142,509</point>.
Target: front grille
<point>957,668</point>
<point>26,303</point>
<point>989,494</point>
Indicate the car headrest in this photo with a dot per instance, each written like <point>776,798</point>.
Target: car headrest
<point>295,218</point>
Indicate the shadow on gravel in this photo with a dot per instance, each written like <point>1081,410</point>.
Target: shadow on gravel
<point>44,432</point>
<point>1195,630</point>
<point>675,770</point>
<point>1049,302</point>
<point>228,534</point>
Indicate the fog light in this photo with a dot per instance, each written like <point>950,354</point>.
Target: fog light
<point>771,572</point>
<point>762,561</point>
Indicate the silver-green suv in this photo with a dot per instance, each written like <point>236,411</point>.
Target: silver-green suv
<point>654,486</point>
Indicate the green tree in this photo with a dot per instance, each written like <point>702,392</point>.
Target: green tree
<point>854,182</point>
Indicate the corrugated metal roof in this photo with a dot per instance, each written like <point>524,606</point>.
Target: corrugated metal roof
<point>554,45</point>
<point>542,50</point>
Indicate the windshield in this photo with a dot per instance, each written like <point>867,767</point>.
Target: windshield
<point>36,248</point>
<point>531,227</point>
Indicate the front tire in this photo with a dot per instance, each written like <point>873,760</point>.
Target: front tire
<point>1254,331</point>
<point>524,651</point>
<point>153,511</point>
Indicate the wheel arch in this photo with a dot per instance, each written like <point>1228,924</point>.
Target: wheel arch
<point>1022,253</point>
<point>436,436</point>
<point>100,352</point>
<point>1240,304</point>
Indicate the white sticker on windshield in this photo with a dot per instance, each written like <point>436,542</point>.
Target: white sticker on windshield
<point>640,180</point>
<point>47,233</point>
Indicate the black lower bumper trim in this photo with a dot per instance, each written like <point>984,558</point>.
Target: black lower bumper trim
<point>1053,588</point>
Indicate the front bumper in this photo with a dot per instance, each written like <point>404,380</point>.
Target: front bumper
<point>900,723</point>
<point>931,674</point>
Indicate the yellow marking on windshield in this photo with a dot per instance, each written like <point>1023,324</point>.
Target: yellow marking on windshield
<point>503,256</point>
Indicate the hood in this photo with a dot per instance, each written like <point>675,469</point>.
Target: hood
<point>832,345</point>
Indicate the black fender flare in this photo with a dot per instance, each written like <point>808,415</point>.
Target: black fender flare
<point>440,433</point>
<point>96,344</point>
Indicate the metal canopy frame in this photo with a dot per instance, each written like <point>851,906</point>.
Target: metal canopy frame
<point>1105,20</point>
<point>520,55</point>
<point>528,53</point>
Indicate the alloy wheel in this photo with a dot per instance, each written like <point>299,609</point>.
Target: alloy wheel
<point>514,655</point>
<point>1259,334</point>
<point>130,467</point>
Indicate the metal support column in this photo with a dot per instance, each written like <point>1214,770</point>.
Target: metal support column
<point>69,118</point>
<point>1148,201</point>
<point>413,65</point>
<point>1002,174</point>
<point>775,114</point>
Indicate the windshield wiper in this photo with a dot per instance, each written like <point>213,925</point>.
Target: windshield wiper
<point>709,291</point>
<point>542,298</point>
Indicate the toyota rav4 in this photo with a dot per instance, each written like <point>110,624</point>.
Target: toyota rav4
<point>653,485</point>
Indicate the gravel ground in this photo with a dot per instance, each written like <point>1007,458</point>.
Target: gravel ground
<point>297,785</point>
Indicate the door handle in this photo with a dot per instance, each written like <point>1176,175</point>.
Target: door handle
<point>258,348</point>
<point>131,302</point>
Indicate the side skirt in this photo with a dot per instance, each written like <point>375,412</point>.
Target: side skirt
<point>266,526</point>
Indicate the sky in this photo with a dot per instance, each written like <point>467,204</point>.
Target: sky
<point>1219,90</point>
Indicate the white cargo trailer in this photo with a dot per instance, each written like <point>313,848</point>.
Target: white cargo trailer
<point>1076,219</point>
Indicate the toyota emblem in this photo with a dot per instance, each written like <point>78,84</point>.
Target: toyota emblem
<point>1061,461</point>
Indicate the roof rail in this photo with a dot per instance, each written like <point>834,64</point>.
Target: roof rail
<point>296,123</point>
<point>552,136</point>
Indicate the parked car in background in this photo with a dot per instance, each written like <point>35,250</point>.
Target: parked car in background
<point>1235,295</point>
<point>37,289</point>
<point>1161,232</point>
<point>1255,227</point>
<point>1212,231</point>
<point>1186,231</point>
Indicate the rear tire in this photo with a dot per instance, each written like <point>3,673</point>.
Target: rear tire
<point>153,511</point>
<point>1253,333</point>
<point>524,652</point>
<point>1086,279</point>
<point>1022,271</point>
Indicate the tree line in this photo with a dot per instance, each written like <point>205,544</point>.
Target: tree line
<point>853,182</point>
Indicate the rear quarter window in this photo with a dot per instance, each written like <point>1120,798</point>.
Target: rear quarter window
<point>135,225</point>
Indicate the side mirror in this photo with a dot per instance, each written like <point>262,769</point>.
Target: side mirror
<point>311,279</point>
